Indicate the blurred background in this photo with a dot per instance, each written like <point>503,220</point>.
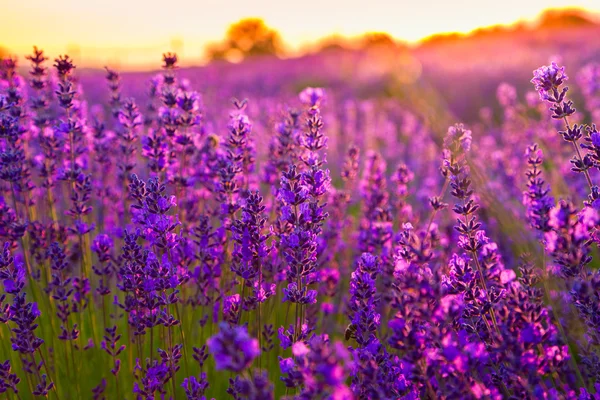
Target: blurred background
<point>413,51</point>
<point>129,34</point>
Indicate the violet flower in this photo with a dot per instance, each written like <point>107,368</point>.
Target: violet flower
<point>232,348</point>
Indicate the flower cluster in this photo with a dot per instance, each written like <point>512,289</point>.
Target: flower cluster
<point>158,244</point>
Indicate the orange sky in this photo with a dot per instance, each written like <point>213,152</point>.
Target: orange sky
<point>131,33</point>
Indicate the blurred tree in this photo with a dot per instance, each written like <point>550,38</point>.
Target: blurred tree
<point>333,43</point>
<point>246,38</point>
<point>377,39</point>
<point>557,18</point>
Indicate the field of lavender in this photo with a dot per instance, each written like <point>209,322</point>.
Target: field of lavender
<point>316,238</point>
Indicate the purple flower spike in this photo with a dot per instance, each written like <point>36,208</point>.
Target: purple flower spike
<point>232,348</point>
<point>547,79</point>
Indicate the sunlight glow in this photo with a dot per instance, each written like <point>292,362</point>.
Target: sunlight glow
<point>135,32</point>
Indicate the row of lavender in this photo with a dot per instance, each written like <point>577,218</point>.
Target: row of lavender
<point>145,256</point>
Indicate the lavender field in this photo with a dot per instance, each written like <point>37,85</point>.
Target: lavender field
<point>369,224</point>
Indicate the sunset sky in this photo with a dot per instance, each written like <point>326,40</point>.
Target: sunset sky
<point>135,32</point>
